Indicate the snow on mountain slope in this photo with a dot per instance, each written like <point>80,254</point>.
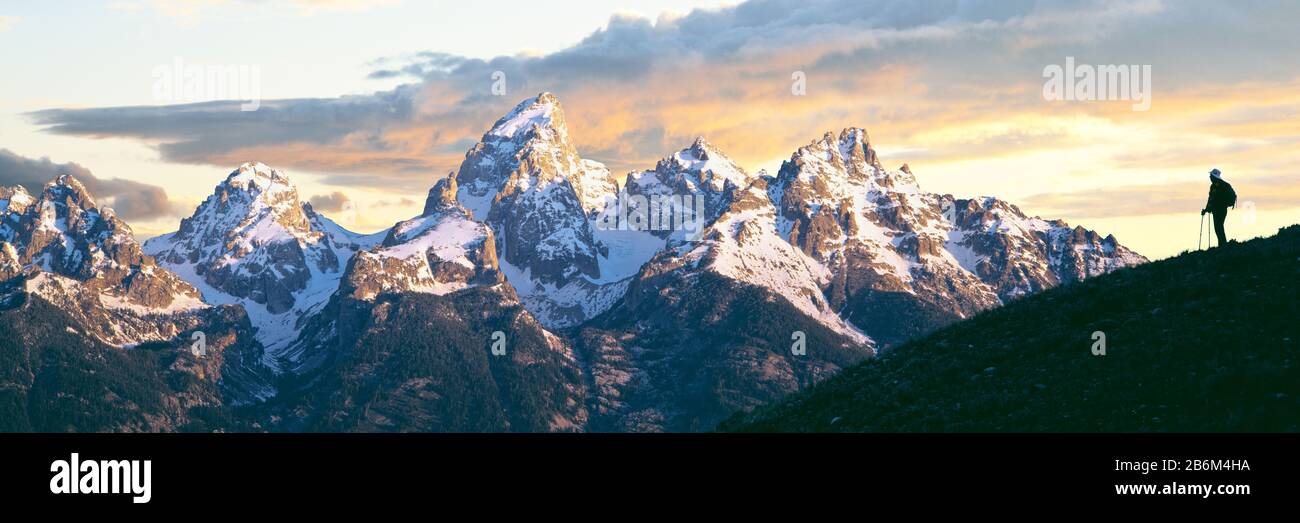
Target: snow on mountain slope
<point>706,327</point>
<point>526,180</point>
<point>531,145</point>
<point>403,344</point>
<point>743,244</point>
<point>742,240</point>
<point>441,251</point>
<point>698,171</point>
<point>254,243</point>
<point>83,258</point>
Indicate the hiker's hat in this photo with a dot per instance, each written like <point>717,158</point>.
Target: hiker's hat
<point>1215,173</point>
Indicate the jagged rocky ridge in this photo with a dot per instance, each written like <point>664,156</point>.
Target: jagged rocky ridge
<point>63,241</point>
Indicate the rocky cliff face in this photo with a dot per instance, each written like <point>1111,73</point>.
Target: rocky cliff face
<point>63,232</point>
<point>470,360</point>
<point>527,182</point>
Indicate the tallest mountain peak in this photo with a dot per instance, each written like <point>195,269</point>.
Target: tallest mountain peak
<point>258,177</point>
<point>538,117</point>
<point>852,146</point>
<point>702,146</point>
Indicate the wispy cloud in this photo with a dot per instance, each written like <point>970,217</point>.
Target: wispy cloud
<point>332,202</point>
<point>7,22</point>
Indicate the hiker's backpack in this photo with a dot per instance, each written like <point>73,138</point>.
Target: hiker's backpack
<point>1232,195</point>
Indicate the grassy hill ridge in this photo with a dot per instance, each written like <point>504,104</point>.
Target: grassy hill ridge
<point>1205,341</point>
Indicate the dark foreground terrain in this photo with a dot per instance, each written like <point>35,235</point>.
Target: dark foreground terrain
<point>1205,341</point>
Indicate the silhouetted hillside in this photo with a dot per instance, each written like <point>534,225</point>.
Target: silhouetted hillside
<point>1205,341</point>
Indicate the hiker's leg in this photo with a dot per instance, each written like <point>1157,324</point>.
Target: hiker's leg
<point>1219,217</point>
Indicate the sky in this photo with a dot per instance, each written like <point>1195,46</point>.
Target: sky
<point>369,103</point>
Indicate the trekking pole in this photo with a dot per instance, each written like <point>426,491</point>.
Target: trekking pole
<point>1200,234</point>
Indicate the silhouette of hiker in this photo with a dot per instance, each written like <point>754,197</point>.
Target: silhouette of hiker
<point>1221,197</point>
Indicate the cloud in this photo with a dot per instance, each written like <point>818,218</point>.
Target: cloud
<point>337,206</point>
<point>332,202</point>
<point>637,89</point>
<point>7,22</point>
<point>130,199</point>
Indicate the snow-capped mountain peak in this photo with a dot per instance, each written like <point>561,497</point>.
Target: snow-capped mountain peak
<point>64,231</point>
<point>529,150</point>
<point>698,171</point>
<point>526,181</point>
<point>537,117</point>
<point>270,204</point>
<point>255,243</point>
<point>257,177</point>
<point>843,161</point>
<point>713,168</point>
<point>82,259</point>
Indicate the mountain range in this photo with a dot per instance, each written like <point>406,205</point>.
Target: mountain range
<point>534,292</point>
